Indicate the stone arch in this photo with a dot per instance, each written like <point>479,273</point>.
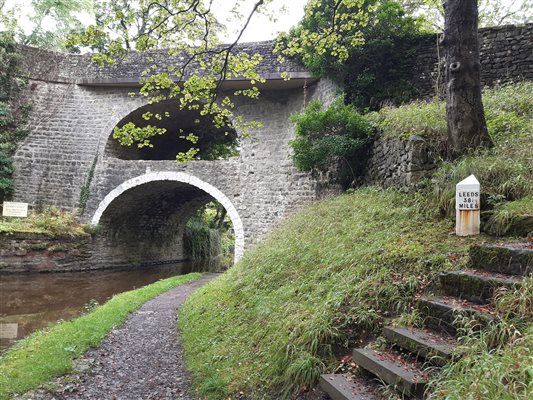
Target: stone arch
<point>177,124</point>
<point>182,178</point>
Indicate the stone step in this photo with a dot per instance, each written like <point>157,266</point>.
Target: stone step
<point>393,368</point>
<point>440,313</point>
<point>435,347</point>
<point>345,387</point>
<point>510,259</point>
<point>473,285</point>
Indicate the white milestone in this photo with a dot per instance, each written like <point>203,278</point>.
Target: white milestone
<point>467,206</point>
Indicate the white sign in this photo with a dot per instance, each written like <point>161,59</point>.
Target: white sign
<point>12,209</point>
<point>9,331</point>
<point>467,205</point>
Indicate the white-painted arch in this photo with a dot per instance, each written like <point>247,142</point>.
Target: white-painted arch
<point>184,178</point>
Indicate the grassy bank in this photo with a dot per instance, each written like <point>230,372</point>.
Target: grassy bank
<point>504,170</point>
<point>326,277</point>
<point>50,352</point>
<point>51,221</point>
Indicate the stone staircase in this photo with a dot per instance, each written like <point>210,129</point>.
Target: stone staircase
<point>412,355</point>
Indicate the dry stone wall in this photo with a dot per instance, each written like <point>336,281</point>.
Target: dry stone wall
<point>506,54</point>
<point>400,163</point>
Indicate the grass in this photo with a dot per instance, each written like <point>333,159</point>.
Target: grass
<point>512,216</point>
<point>49,353</point>
<point>268,327</point>
<point>496,363</point>
<point>51,221</point>
<point>508,111</point>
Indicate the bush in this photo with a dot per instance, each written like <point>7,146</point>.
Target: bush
<point>327,136</point>
<point>380,51</point>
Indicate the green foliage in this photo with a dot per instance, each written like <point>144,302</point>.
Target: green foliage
<point>495,363</point>
<point>50,221</point>
<point>85,190</point>
<point>201,241</point>
<point>12,114</point>
<point>376,49</point>
<point>325,136</point>
<point>267,326</point>
<point>49,352</point>
<point>66,20</point>
<point>328,30</point>
<point>505,171</point>
<point>379,71</point>
<point>209,235</point>
<point>184,29</point>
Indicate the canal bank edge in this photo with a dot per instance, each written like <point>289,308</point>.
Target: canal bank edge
<point>37,252</point>
<point>22,252</point>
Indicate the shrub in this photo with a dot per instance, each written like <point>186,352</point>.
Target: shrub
<point>51,221</point>
<point>327,136</point>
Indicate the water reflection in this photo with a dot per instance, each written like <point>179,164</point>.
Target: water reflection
<point>32,301</point>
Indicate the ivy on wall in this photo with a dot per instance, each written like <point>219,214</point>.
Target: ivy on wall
<point>12,114</point>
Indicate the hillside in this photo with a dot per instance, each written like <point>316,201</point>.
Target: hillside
<point>329,277</point>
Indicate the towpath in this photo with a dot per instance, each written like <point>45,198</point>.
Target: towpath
<point>142,359</point>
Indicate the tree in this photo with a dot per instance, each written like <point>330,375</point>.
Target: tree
<point>49,21</point>
<point>464,109</point>
<point>491,12</point>
<point>377,68</point>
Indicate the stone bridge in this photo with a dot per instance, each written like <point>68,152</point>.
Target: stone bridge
<point>143,199</point>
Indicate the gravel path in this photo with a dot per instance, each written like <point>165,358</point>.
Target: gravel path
<point>141,359</point>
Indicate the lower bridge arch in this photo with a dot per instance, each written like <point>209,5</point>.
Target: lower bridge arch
<point>147,214</point>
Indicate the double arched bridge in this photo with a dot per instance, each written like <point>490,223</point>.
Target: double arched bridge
<point>142,198</point>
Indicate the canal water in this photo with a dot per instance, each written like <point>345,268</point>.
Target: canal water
<point>32,301</point>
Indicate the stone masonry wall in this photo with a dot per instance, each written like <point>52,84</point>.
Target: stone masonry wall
<point>30,252</point>
<point>398,162</point>
<point>506,54</point>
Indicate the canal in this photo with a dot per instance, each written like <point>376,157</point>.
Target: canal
<point>32,301</point>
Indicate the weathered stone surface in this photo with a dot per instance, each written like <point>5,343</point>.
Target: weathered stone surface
<point>340,387</point>
<point>440,313</point>
<point>74,113</point>
<point>502,259</point>
<point>434,347</point>
<point>405,375</point>
<point>30,252</point>
<point>399,162</point>
<point>473,285</point>
<point>71,127</point>
<point>505,54</point>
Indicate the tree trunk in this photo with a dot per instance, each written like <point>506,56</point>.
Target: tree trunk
<point>464,109</point>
